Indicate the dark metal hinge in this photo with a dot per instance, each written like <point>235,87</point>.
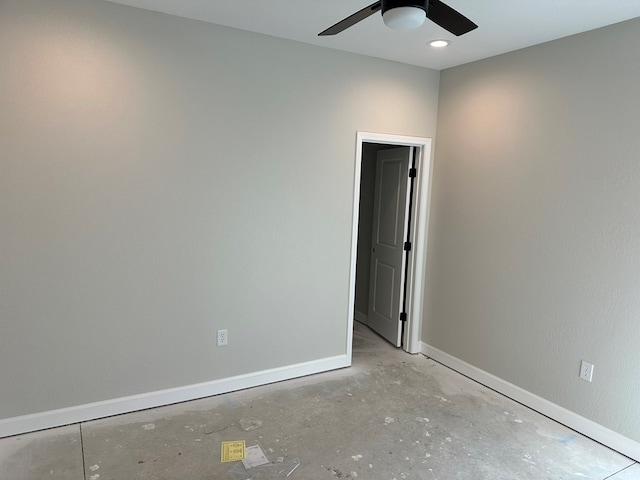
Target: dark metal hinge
<point>413,172</point>
<point>403,317</point>
<point>407,246</point>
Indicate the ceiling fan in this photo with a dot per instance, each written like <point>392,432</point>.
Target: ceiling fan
<point>407,14</point>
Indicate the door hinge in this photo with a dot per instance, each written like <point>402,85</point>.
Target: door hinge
<point>413,172</point>
<point>403,317</point>
<point>407,246</point>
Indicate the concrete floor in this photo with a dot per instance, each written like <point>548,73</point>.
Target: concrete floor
<point>392,416</point>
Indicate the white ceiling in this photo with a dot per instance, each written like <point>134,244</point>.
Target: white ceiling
<point>504,25</point>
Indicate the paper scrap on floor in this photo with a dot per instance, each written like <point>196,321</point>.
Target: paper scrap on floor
<point>254,457</point>
<point>250,423</point>
<point>232,451</point>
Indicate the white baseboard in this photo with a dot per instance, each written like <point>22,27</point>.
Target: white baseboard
<point>580,424</point>
<point>107,408</point>
<point>361,317</point>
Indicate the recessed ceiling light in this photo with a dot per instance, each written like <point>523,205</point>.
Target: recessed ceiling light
<point>439,43</point>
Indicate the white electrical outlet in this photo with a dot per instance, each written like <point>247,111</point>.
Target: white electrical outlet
<point>223,337</point>
<point>586,371</point>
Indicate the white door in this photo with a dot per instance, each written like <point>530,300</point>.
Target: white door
<point>386,284</point>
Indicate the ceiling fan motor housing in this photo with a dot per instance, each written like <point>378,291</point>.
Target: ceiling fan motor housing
<point>403,14</point>
<point>390,4</point>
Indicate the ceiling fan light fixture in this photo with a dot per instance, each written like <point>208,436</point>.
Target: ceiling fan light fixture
<point>404,18</point>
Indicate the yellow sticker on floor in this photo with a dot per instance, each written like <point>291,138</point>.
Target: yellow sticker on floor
<point>232,451</point>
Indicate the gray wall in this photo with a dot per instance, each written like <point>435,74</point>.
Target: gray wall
<point>534,243</point>
<point>162,178</point>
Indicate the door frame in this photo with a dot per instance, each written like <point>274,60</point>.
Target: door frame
<point>416,269</point>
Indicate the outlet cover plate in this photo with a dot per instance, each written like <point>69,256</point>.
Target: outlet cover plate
<point>223,337</point>
<point>586,371</point>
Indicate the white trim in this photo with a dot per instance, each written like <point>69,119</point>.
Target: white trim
<point>419,236</point>
<point>361,317</point>
<point>580,424</point>
<point>419,239</point>
<point>355,214</point>
<point>107,408</point>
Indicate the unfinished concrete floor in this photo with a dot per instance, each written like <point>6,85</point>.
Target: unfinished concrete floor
<point>390,416</point>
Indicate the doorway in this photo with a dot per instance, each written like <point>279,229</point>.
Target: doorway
<point>409,283</point>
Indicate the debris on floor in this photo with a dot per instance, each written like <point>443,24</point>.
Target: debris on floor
<point>232,451</point>
<point>250,423</point>
<point>213,428</point>
<point>258,466</point>
<point>297,464</point>
<point>254,457</point>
